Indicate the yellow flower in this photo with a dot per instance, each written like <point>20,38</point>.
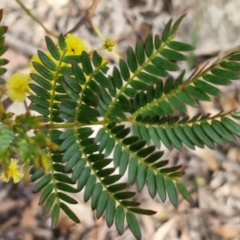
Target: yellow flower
<point>17,86</point>
<point>12,172</point>
<point>75,46</point>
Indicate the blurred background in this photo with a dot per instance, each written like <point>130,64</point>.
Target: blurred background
<point>212,176</point>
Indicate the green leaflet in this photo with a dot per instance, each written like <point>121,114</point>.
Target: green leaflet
<point>78,73</point>
<point>40,91</point>
<point>119,219</point>
<point>43,71</point>
<point>156,71</point>
<point>69,212</point>
<point>97,59</point>
<point>75,87</point>
<point>216,80</point>
<point>123,162</point>
<point>3,50</point>
<point>161,187</point>
<point>173,55</point>
<point>65,187</point>
<point>89,187</point>
<point>67,198</point>
<point>142,211</point>
<point>87,66</point>
<point>218,72</point>
<point>42,183</point>
<point>101,203</point>
<point>149,45</point>
<point>231,126</point>
<point>45,84</point>
<point>78,169</point>
<point>207,88</point>
<point>173,138</point>
<point>124,195</point>
<point>184,192</point>
<point>124,70</point>
<point>47,191</point>
<point>222,131</point>
<point>179,46</point>
<point>47,62</point>
<point>154,137</point>
<point>132,170</point>
<point>95,195</point>
<point>49,203</point>
<point>52,48</point>
<point>131,60</point>
<point>63,178</point>
<point>165,64</point>
<point>110,211</point>
<point>36,175</point>
<point>151,182</point>
<point>202,136</point>
<point>177,104</point>
<point>140,53</point>
<point>141,176</point>
<point>55,214</point>
<point>197,93</point>
<point>211,133</point>
<point>167,31</point>
<point>172,193</point>
<point>163,137</point>
<point>133,225</point>
<point>83,178</point>
<point>186,98</point>
<point>117,187</point>
<point>180,134</point>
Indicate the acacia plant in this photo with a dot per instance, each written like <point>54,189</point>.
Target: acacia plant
<point>138,106</point>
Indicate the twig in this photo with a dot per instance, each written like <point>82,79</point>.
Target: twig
<point>86,17</point>
<point>28,12</point>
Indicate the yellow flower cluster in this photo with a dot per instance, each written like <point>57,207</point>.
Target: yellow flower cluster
<point>109,45</point>
<point>18,84</point>
<point>11,171</point>
<point>75,46</point>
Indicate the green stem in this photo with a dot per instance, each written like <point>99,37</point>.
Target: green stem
<point>28,12</point>
<point>69,125</point>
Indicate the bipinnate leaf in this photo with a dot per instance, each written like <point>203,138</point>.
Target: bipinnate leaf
<point>138,106</point>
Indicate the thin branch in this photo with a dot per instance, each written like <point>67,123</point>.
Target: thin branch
<point>86,17</point>
<point>28,12</point>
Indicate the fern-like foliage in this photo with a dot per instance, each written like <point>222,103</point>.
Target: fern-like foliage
<point>139,106</point>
